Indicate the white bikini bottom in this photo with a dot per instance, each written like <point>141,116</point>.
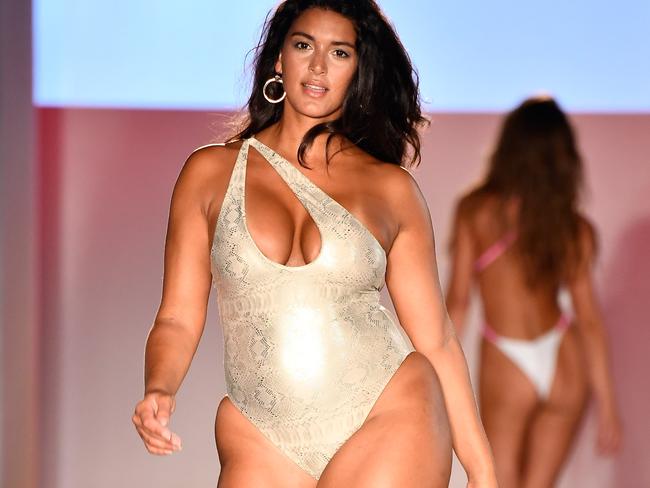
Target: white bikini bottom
<point>536,358</point>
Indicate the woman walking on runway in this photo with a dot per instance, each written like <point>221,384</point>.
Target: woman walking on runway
<point>299,221</point>
<point>519,236</point>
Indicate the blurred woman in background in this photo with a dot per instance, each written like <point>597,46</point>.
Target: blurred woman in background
<point>520,236</point>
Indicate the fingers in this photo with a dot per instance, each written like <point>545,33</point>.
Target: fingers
<point>150,423</point>
<point>176,442</point>
<point>154,445</point>
<point>614,441</point>
<point>609,439</point>
<point>151,418</point>
<point>154,442</point>
<point>165,409</point>
<point>603,440</point>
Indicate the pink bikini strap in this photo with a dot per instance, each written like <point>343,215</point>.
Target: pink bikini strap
<point>489,333</point>
<point>563,322</point>
<point>494,251</point>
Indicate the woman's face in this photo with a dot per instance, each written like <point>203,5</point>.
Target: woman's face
<point>317,62</point>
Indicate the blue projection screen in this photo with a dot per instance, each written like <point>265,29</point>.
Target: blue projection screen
<point>593,55</point>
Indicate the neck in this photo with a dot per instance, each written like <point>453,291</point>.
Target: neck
<point>286,135</point>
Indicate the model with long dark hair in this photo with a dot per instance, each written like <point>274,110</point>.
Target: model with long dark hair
<point>298,221</point>
<point>520,235</point>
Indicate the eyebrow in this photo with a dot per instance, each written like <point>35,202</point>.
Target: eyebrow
<point>334,43</point>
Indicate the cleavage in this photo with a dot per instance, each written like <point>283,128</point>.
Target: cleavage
<point>280,226</point>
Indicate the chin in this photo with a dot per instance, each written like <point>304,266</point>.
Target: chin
<point>315,109</point>
<point>319,112</point>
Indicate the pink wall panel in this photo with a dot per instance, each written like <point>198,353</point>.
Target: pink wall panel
<point>111,175</point>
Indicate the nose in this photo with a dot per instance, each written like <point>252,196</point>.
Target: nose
<point>317,63</point>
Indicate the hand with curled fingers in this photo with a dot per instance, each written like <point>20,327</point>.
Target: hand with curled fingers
<point>151,419</point>
<point>609,439</point>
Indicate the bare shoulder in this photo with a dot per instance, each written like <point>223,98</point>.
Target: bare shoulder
<point>209,162</point>
<point>475,208</point>
<point>469,204</point>
<point>587,236</point>
<point>399,187</point>
<point>586,228</point>
<point>206,172</point>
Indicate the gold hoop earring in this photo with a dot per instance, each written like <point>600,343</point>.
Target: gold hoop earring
<point>275,79</point>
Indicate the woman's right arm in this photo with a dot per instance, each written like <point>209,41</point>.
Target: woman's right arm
<point>590,323</point>
<point>178,325</point>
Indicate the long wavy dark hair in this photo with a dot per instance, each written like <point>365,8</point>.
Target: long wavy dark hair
<point>536,161</point>
<point>381,110</point>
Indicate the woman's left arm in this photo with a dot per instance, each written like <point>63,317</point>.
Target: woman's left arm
<point>589,320</point>
<point>413,283</point>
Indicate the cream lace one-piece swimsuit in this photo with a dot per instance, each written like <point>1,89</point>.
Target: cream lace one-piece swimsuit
<point>308,349</point>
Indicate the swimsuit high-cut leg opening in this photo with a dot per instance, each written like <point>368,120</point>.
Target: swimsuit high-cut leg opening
<point>409,411</point>
<point>260,452</point>
<point>366,416</point>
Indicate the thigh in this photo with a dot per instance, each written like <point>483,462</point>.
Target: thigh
<point>554,425</point>
<point>248,458</point>
<point>507,402</point>
<point>405,441</point>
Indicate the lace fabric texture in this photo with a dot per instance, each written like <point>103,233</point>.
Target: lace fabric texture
<point>308,349</point>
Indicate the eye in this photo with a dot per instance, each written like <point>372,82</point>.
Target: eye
<point>301,45</point>
<point>340,53</point>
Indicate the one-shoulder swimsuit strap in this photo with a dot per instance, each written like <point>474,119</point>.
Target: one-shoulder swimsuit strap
<point>307,349</point>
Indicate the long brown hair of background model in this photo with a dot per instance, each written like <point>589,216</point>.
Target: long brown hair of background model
<point>536,161</point>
